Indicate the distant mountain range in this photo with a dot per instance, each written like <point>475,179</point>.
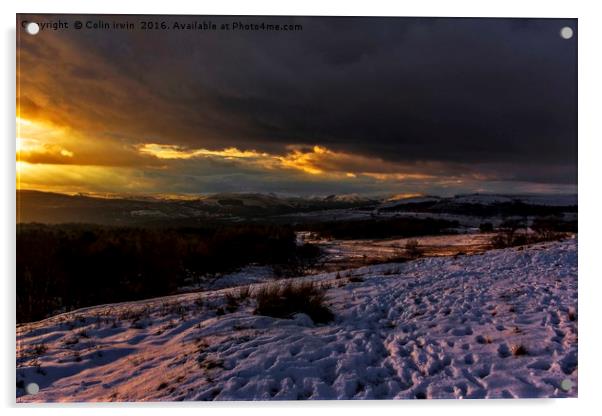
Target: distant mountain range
<point>47,207</point>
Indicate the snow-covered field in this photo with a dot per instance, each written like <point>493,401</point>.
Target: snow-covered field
<point>498,324</point>
<point>337,253</point>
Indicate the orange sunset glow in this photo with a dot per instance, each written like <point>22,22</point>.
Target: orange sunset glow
<point>109,119</point>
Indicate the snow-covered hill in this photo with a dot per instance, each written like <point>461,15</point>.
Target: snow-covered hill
<point>498,324</point>
<point>569,200</point>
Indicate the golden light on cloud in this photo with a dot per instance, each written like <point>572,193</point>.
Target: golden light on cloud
<point>315,161</point>
<point>166,151</point>
<point>398,176</point>
<point>54,158</point>
<point>39,144</point>
<point>51,157</point>
<point>25,130</point>
<point>76,178</point>
<point>297,159</point>
<point>307,161</point>
<point>38,139</point>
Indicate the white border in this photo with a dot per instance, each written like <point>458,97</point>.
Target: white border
<point>590,136</point>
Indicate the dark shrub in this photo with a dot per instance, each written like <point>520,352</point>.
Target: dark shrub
<point>284,301</point>
<point>551,228</point>
<point>508,235</point>
<point>232,301</point>
<point>544,230</point>
<point>413,249</point>
<point>486,227</point>
<point>518,350</point>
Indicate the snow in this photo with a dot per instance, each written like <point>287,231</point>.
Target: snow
<point>440,327</point>
<point>560,200</point>
<point>244,276</point>
<point>337,253</point>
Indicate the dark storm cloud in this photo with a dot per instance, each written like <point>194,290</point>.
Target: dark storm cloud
<point>499,94</point>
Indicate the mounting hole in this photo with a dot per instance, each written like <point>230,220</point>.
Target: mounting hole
<point>566,32</point>
<point>566,384</point>
<point>32,388</point>
<point>32,28</point>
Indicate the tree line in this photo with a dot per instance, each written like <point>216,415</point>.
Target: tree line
<point>69,266</point>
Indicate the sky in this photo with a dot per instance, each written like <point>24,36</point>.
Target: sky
<point>340,105</point>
